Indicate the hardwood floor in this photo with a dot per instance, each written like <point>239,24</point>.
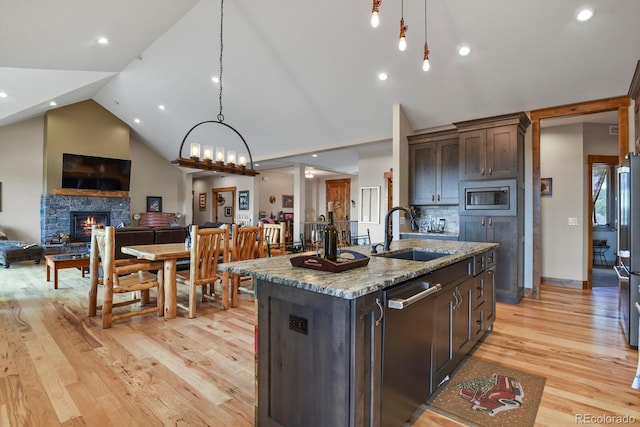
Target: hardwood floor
<point>58,367</point>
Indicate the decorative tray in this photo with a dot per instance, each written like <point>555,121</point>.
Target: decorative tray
<point>346,261</point>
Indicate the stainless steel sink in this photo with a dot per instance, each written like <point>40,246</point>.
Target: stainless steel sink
<point>414,254</point>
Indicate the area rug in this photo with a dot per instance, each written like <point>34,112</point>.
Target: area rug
<point>484,394</point>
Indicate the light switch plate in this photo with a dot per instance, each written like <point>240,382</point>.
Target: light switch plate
<point>573,221</point>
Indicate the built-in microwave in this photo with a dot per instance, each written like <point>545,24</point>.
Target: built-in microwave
<point>489,197</point>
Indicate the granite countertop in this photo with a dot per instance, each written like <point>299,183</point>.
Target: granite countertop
<point>379,274</point>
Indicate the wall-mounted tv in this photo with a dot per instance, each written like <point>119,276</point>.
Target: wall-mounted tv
<point>95,173</point>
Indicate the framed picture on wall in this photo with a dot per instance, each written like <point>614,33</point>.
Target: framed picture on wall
<point>202,201</point>
<point>154,204</point>
<point>243,197</point>
<point>546,186</point>
<point>287,201</point>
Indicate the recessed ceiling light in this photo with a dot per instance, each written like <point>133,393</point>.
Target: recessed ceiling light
<point>161,107</point>
<point>584,14</point>
<point>314,155</point>
<point>256,164</point>
<point>382,76</point>
<point>3,94</point>
<point>53,104</point>
<point>103,40</point>
<point>215,79</point>
<point>136,120</point>
<point>464,50</point>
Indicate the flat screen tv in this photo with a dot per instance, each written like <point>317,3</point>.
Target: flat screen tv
<point>95,173</point>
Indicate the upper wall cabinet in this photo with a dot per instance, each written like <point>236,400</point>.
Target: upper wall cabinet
<point>493,147</point>
<point>433,168</point>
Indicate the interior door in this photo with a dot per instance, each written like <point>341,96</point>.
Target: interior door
<point>338,192</point>
<point>223,204</point>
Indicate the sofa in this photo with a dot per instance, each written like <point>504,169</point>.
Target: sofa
<point>130,236</point>
<point>15,251</point>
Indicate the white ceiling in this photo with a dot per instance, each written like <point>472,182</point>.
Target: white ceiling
<point>300,77</point>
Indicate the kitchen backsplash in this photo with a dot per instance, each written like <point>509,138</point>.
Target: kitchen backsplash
<point>433,215</point>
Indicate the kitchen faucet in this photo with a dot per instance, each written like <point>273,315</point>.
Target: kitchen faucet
<point>388,234</point>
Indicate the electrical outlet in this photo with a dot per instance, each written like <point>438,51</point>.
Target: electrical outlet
<point>298,324</point>
<point>573,221</point>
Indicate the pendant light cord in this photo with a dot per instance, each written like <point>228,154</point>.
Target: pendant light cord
<point>220,115</point>
<point>425,21</point>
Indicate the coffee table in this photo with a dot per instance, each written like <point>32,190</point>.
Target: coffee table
<point>60,261</point>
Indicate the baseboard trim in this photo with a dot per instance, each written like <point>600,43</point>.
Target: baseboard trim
<point>567,283</point>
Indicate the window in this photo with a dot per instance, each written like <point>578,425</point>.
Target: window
<point>603,197</point>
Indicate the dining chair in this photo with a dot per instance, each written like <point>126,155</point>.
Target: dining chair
<point>209,247</point>
<point>124,276</point>
<point>273,242</point>
<point>245,245</point>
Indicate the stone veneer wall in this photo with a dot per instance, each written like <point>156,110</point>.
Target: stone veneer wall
<point>55,211</point>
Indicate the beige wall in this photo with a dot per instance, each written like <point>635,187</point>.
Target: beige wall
<point>82,128</point>
<point>241,183</point>
<point>563,157</point>
<point>372,168</point>
<point>21,178</point>
<point>153,175</point>
<point>29,167</point>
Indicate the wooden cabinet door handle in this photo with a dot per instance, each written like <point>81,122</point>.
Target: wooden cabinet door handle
<point>490,170</point>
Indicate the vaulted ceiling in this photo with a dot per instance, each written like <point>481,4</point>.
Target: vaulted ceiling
<point>300,77</point>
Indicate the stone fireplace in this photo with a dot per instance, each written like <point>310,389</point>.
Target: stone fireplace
<point>57,214</point>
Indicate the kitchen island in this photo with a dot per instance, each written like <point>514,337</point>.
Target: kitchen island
<point>321,342</point>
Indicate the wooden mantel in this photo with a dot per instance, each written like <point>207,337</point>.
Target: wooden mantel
<point>89,193</point>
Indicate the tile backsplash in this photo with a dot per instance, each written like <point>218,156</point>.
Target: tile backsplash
<point>450,214</point>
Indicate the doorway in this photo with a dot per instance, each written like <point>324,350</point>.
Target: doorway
<point>224,204</point>
<point>619,104</point>
<point>603,212</point>
<point>338,192</point>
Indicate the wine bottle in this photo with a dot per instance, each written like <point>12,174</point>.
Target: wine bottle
<point>330,237</point>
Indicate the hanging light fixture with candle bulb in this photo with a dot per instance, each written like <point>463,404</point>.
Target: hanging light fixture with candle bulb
<point>232,164</point>
<point>375,18</point>
<point>425,61</point>
<point>402,43</point>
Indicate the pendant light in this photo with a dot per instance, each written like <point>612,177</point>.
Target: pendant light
<point>425,61</point>
<point>235,165</point>
<point>375,19</point>
<point>402,43</point>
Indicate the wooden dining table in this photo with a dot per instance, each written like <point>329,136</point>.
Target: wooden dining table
<point>169,253</point>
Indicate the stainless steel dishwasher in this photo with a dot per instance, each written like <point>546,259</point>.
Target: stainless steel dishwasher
<point>407,349</point>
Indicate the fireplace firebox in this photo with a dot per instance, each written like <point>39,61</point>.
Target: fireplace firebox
<point>81,222</point>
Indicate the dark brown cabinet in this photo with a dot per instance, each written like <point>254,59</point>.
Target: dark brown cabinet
<point>320,358</point>
<point>463,312</point>
<point>508,231</point>
<point>492,148</point>
<point>433,169</point>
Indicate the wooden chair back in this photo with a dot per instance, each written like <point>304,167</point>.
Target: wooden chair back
<point>273,242</point>
<point>245,242</point>
<point>209,247</point>
<point>119,277</point>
